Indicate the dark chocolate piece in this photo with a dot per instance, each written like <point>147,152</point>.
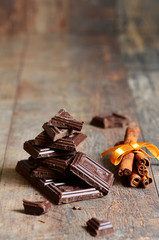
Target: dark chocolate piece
<point>109,120</point>
<point>99,228</point>
<point>37,207</point>
<point>55,132</point>
<point>43,139</point>
<point>92,172</point>
<point>43,172</point>
<point>70,143</point>
<point>49,180</point>
<point>60,164</point>
<point>43,152</point>
<point>63,119</point>
<point>58,191</point>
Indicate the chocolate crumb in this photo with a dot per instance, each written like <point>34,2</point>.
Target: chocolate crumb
<point>41,221</point>
<point>77,208</point>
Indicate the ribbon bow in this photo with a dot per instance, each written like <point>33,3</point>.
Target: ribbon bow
<point>121,150</point>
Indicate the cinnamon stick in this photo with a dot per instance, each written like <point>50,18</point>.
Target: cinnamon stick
<point>146,180</point>
<point>141,169</point>
<point>126,165</point>
<point>142,159</point>
<point>134,178</point>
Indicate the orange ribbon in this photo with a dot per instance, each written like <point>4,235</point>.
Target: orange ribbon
<point>121,150</point>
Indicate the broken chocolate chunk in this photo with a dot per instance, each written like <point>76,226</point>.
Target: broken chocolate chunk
<point>42,152</point>
<point>37,207</point>
<point>55,132</point>
<point>109,120</point>
<point>99,228</point>
<point>64,120</point>
<point>44,172</point>
<point>59,164</point>
<point>69,143</point>
<point>92,172</point>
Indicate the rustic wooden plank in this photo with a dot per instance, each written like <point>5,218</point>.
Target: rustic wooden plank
<point>144,86</point>
<point>14,15</point>
<point>92,16</point>
<point>46,86</point>
<point>145,89</point>
<point>138,38</point>
<point>138,33</point>
<point>31,16</point>
<point>11,58</point>
<point>139,44</point>
<point>83,75</point>
<point>20,16</point>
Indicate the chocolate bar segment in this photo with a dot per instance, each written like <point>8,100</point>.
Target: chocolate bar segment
<point>55,132</point>
<point>43,139</point>
<point>99,228</point>
<point>44,172</point>
<point>60,164</point>
<point>42,152</point>
<point>36,208</point>
<point>92,172</point>
<point>70,143</point>
<point>59,191</point>
<point>63,119</point>
<point>109,120</point>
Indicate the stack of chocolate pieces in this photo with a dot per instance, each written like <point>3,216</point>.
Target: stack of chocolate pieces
<point>56,167</point>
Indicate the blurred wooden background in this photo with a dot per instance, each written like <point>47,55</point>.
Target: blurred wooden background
<point>61,16</point>
<point>89,57</point>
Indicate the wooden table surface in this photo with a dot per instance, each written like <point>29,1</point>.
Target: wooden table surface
<point>105,59</point>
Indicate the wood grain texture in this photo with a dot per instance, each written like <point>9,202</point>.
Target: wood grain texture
<point>145,89</point>
<point>11,58</point>
<point>56,16</point>
<point>138,33</point>
<point>46,86</point>
<point>17,16</point>
<point>79,67</point>
<point>32,16</point>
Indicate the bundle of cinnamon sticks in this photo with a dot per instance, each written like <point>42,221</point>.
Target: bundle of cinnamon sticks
<point>134,165</point>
